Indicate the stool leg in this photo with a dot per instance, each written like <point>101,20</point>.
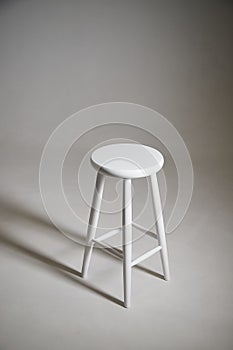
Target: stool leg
<point>93,221</point>
<point>160,225</point>
<point>127,240</point>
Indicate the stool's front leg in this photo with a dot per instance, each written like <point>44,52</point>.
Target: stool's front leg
<point>127,240</point>
<point>160,225</point>
<point>93,221</point>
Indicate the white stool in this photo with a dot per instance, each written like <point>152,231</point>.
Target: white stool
<point>127,161</point>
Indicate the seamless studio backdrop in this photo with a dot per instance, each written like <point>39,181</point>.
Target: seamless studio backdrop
<point>57,57</point>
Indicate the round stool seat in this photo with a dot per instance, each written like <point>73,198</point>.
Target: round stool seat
<point>127,160</point>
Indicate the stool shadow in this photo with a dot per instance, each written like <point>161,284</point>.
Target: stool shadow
<point>58,267</point>
<point>20,214</point>
<point>139,267</point>
<point>151,272</point>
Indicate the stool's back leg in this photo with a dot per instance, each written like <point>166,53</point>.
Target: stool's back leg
<point>127,239</point>
<point>160,225</point>
<point>93,221</point>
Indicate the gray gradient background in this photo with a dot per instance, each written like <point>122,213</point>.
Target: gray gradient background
<point>57,57</point>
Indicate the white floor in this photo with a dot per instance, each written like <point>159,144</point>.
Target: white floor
<point>45,304</point>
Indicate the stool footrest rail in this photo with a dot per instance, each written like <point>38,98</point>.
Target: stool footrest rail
<point>146,255</point>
